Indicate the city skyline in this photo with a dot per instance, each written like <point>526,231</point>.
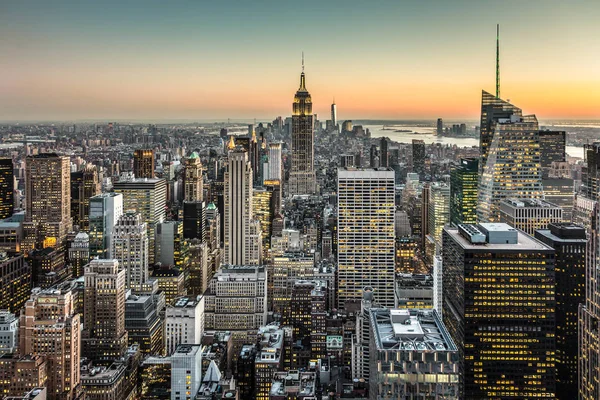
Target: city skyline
<point>203,61</point>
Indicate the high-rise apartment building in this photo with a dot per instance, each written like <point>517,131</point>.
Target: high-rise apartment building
<point>47,201</point>
<point>418,157</point>
<point>184,323</point>
<point>366,206</point>
<point>499,308</point>
<point>15,282</point>
<point>105,211</point>
<point>507,139</point>
<point>84,185</point>
<point>302,176</point>
<point>49,327</point>
<point>7,188</point>
<point>439,209</point>
<point>104,338</point>
<point>130,248</point>
<point>529,215</point>
<point>570,244</point>
<point>143,163</point>
<point>238,209</point>
<point>147,197</point>
<point>463,192</point>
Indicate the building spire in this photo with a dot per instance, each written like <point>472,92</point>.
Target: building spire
<point>302,78</point>
<point>302,62</point>
<point>498,61</point>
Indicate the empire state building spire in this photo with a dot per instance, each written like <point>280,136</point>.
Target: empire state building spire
<point>302,77</point>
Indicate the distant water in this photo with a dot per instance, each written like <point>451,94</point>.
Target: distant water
<point>425,133</point>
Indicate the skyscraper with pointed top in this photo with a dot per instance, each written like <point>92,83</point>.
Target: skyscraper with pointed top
<point>333,113</point>
<point>302,177</point>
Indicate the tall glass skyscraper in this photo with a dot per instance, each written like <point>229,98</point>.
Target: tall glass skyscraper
<point>463,192</point>
<point>510,156</point>
<point>7,183</point>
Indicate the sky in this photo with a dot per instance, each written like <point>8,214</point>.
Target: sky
<point>201,59</point>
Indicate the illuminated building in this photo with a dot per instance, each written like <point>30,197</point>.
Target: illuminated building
<point>194,220</point>
<point>552,149</point>
<point>269,359</point>
<point>49,327</point>
<point>439,209</point>
<point>199,273</point>
<point>414,291</point>
<point>11,235</point>
<point>569,242</point>
<point>499,303</point>
<point>293,384</point>
<point>411,356</point>
<point>48,267</point>
<point>9,331</point>
<point>171,247</point>
<point>366,247</point>
<point>155,378</point>
<point>79,254</point>
<point>84,185</point>
<point>104,338</point>
<point>186,371</point>
<point>263,209</point>
<point>285,270</point>
<point>406,255</point>
<point>143,324</point>
<point>7,187</point>
<point>105,211</point>
<point>20,374</point>
<point>507,139</point>
<point>238,209</point>
<point>560,191</point>
<point>184,323</point>
<point>529,215</point>
<point>424,221</point>
<point>463,192</point>
<point>147,197</point>
<point>15,282</point>
<point>302,176</point>
<point>130,248</point>
<point>143,163</point>
<point>236,301</point>
<point>47,202</point>
<point>117,381</point>
<point>171,281</point>
<point>591,175</point>
<point>193,179</point>
<point>418,157</point>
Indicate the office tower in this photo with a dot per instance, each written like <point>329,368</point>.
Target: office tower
<point>366,234</point>
<point>184,323</point>
<point>116,381</point>
<point>284,271</point>
<point>193,179</point>
<point>333,114</point>
<point>84,185</point>
<point>440,127</point>
<point>361,336</point>
<point>15,282</point>
<point>7,188</point>
<point>49,327</point>
<point>275,170</point>
<point>406,260</point>
<point>200,269</point>
<point>591,172</point>
<point>529,215</point>
<point>105,211</point>
<point>236,300</point>
<point>130,248</point>
<point>439,209</point>
<point>21,374</point>
<point>170,247</point>
<point>507,138</point>
<point>171,281</point>
<point>263,209</point>
<point>302,176</point>
<point>147,197</point>
<point>423,205</point>
<point>374,156</point>
<point>254,155</point>
<point>418,157</point>
<point>143,163</point>
<point>411,356</point>
<point>11,235</point>
<point>104,338</point>
<point>269,359</point>
<point>213,222</point>
<point>463,192</point>
<point>48,267</point>
<point>186,371</point>
<point>498,293</point>
<point>246,373</point>
<point>238,208</point>
<point>143,323</point>
<point>79,254</point>
<point>194,220</point>
<point>560,191</point>
<point>47,202</point>
<point>552,149</point>
<point>569,242</point>
<point>384,159</point>
<point>9,332</point>
<point>414,291</point>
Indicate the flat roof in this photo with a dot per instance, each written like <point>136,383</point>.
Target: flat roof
<point>529,203</point>
<point>524,241</point>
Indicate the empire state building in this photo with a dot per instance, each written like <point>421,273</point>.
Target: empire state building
<point>302,177</point>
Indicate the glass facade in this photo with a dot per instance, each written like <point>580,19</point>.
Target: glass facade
<point>7,181</point>
<point>463,192</point>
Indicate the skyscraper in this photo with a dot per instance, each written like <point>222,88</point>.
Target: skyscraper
<point>143,163</point>
<point>105,211</point>
<point>193,179</point>
<point>498,306</point>
<point>552,149</point>
<point>440,127</point>
<point>130,248</point>
<point>418,157</point>
<point>48,201</point>
<point>7,186</point>
<point>384,159</point>
<point>439,209</point>
<point>333,114</point>
<point>302,176</point>
<point>366,206</point>
<point>275,171</point>
<point>238,208</point>
<point>463,192</point>
<point>84,185</point>
<point>104,338</point>
<point>507,139</point>
<point>569,242</point>
<point>529,215</point>
<point>15,282</point>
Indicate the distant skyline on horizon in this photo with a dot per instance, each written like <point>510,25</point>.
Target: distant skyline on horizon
<point>152,61</point>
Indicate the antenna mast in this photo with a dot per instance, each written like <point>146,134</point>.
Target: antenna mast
<point>498,61</point>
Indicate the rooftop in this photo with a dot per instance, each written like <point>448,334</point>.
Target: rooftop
<point>299,384</point>
<point>529,203</point>
<point>271,344</point>
<point>497,236</point>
